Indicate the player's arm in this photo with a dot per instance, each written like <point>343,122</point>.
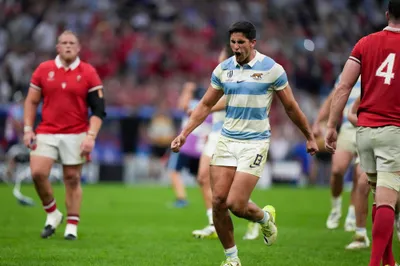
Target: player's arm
<point>186,95</point>
<point>202,110</point>
<point>95,100</point>
<point>323,112</point>
<point>294,112</point>
<point>349,77</point>
<point>352,114</point>
<point>31,104</point>
<point>220,105</point>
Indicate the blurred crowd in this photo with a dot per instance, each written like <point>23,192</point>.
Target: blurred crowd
<point>144,50</point>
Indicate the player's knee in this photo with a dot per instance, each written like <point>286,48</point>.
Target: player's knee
<point>337,172</point>
<point>72,179</point>
<point>237,208</point>
<point>363,185</point>
<point>203,179</point>
<point>38,175</point>
<point>219,202</point>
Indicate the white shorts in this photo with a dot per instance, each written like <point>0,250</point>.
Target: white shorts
<point>64,148</point>
<point>211,144</point>
<point>347,140</point>
<point>247,156</point>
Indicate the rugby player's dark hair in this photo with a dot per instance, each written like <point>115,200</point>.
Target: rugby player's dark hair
<point>245,27</point>
<point>394,9</point>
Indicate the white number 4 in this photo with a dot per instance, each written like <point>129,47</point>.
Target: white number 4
<point>388,64</point>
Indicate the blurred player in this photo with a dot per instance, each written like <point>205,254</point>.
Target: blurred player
<point>344,155</point>
<point>248,80</point>
<point>189,156</point>
<point>203,177</point>
<point>67,87</point>
<point>376,58</point>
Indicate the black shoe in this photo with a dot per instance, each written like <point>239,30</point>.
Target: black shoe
<point>70,237</point>
<point>48,231</point>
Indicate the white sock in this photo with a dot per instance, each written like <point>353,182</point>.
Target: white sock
<point>362,231</point>
<point>351,212</point>
<point>231,253</point>
<point>210,216</point>
<point>336,203</point>
<point>265,218</point>
<point>71,229</point>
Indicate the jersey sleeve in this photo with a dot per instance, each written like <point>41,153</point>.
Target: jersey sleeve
<point>281,80</point>
<point>216,78</point>
<point>356,54</point>
<point>36,79</point>
<point>94,82</point>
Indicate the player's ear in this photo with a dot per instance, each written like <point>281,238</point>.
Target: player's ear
<point>387,15</point>
<point>58,48</point>
<point>253,43</point>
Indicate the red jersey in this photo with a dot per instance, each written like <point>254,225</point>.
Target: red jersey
<point>64,94</point>
<point>379,56</point>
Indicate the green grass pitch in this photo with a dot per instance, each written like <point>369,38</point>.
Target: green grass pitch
<point>137,226</point>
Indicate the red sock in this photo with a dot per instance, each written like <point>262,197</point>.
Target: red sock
<point>381,231</point>
<point>73,219</point>
<point>373,212</point>
<point>388,258</point>
<point>50,206</point>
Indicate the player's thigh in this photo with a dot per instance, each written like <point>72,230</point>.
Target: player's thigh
<point>387,149</point>
<point>347,140</point>
<point>252,156</point>
<point>365,149</point>
<point>221,182</point>
<point>341,160</point>
<point>69,148</point>
<point>40,166</point>
<point>203,175</point>
<point>46,146</point>
<point>224,154</point>
<point>241,189</point>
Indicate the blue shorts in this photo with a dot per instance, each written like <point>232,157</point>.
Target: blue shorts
<point>180,161</point>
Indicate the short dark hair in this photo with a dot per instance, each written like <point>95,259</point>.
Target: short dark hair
<point>394,9</point>
<point>245,27</point>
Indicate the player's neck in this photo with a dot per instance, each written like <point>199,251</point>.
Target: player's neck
<point>251,57</point>
<point>394,24</point>
<point>67,63</point>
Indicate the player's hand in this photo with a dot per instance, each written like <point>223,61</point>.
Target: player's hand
<point>331,139</point>
<point>30,140</point>
<point>312,147</point>
<point>316,129</point>
<point>189,112</point>
<point>87,146</point>
<point>177,143</point>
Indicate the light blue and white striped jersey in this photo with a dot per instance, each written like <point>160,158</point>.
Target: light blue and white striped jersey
<point>218,121</point>
<point>354,94</point>
<point>249,91</point>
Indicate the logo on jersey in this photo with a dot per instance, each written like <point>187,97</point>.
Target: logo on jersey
<point>257,76</point>
<point>78,78</point>
<point>229,74</point>
<point>50,76</point>
<point>63,85</point>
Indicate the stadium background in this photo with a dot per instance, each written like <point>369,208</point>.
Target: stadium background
<point>145,50</point>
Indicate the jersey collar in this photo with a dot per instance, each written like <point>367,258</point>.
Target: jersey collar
<point>72,66</point>
<point>392,29</point>
<point>256,58</point>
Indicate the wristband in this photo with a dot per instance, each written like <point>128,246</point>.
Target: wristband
<point>27,129</point>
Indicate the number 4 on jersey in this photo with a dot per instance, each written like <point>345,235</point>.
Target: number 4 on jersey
<point>388,64</point>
